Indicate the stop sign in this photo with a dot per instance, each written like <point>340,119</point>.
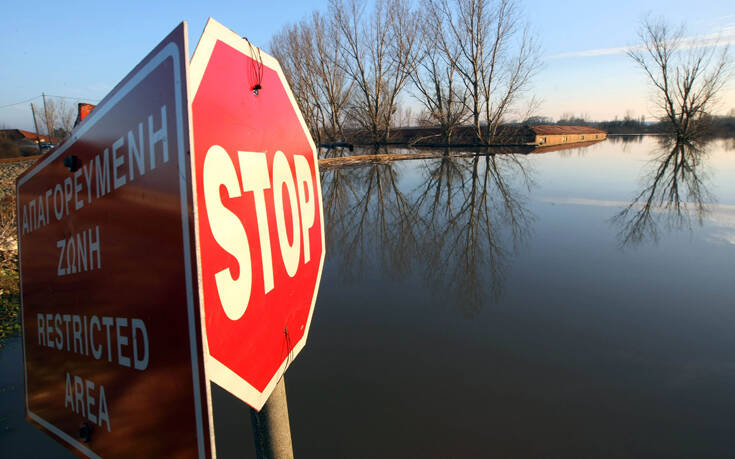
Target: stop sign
<point>258,208</point>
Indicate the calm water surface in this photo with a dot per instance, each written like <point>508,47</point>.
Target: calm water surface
<point>510,306</point>
<point>494,307</point>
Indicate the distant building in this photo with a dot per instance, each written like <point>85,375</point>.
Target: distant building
<point>552,134</point>
<point>21,136</point>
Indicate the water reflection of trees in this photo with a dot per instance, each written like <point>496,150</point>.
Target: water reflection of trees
<point>475,218</point>
<point>626,138</point>
<point>369,217</point>
<point>673,196</point>
<point>456,230</point>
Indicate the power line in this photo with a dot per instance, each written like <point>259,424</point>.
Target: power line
<point>74,98</point>
<point>21,102</point>
<point>50,95</point>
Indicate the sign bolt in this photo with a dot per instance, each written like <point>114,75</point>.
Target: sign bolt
<point>72,162</point>
<point>85,432</point>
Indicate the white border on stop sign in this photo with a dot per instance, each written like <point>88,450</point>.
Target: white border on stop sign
<point>216,371</point>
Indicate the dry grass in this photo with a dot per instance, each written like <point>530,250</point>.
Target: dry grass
<point>9,278</point>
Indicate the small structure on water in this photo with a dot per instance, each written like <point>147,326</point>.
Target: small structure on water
<point>552,134</point>
<point>506,135</point>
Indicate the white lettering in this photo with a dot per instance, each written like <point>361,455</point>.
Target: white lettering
<point>49,192</point>
<point>88,179</point>
<point>26,228</point>
<point>118,161</point>
<point>79,253</point>
<point>138,326</point>
<point>135,152</point>
<point>94,247</point>
<point>96,351</point>
<point>59,335</point>
<point>122,341</point>
<point>89,385</point>
<point>254,174</point>
<point>71,264</point>
<point>282,176</point>
<point>103,174</point>
<point>67,319</point>
<point>103,415</point>
<point>68,397</point>
<point>228,231</point>
<point>58,202</point>
<point>305,185</point>
<point>49,330</point>
<point>33,223</point>
<point>76,325</point>
<point>82,400</point>
<point>82,250</point>
<point>107,322</point>
<point>79,395</point>
<point>41,213</point>
<point>41,330</point>
<point>67,194</point>
<point>77,188</point>
<point>155,137</point>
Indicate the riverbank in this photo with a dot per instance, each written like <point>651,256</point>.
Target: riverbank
<point>9,278</point>
<point>465,136</point>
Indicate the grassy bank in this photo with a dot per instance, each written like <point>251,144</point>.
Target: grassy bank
<point>9,277</point>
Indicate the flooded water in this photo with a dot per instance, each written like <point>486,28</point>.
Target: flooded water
<point>495,307</point>
<point>573,303</point>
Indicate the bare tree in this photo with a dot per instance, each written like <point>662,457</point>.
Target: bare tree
<point>498,56</point>
<point>293,47</point>
<point>334,85</point>
<point>403,116</point>
<point>686,74</point>
<point>435,78</point>
<point>61,116</point>
<point>377,50</point>
<point>309,52</point>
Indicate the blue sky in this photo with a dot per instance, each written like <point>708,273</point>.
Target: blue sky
<point>82,49</point>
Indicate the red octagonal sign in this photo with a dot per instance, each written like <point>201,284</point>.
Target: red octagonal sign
<point>259,214</point>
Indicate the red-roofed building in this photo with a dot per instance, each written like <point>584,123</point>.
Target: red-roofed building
<point>22,136</point>
<point>552,134</point>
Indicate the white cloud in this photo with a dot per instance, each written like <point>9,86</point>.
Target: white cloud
<point>591,52</point>
<point>726,36</point>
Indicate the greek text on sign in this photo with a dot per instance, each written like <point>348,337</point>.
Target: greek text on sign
<point>109,304</point>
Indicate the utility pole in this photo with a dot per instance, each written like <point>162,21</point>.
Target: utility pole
<point>38,136</point>
<point>48,125</point>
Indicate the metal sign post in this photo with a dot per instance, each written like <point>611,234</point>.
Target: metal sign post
<point>271,427</point>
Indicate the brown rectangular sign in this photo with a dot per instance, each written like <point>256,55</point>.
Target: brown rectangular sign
<point>112,337</point>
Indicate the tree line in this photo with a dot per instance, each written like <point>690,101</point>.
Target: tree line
<point>707,125</point>
<point>466,62</point>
